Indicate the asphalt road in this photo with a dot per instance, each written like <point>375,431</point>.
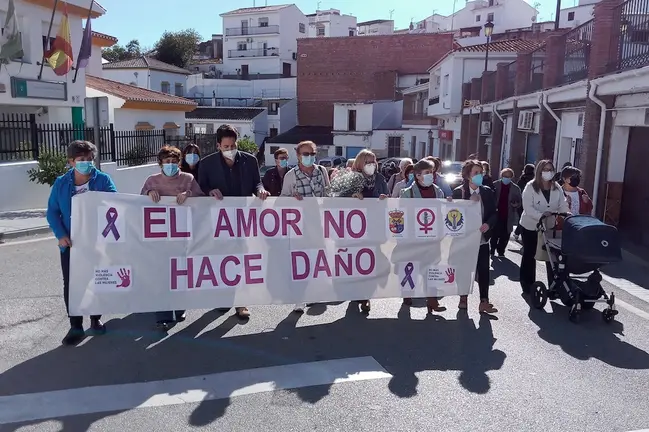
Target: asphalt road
<point>526,371</point>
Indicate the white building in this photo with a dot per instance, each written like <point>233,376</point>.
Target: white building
<point>330,23</point>
<point>577,15</point>
<point>148,73</point>
<point>375,27</point>
<point>250,122</point>
<point>320,135</point>
<point>262,40</point>
<point>57,99</point>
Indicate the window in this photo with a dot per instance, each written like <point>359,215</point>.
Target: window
<point>2,31</point>
<point>165,87</point>
<point>445,85</point>
<point>351,120</point>
<point>413,147</point>
<point>273,108</point>
<point>263,22</point>
<point>477,18</point>
<point>490,17</point>
<point>339,151</point>
<point>571,16</point>
<point>580,119</point>
<point>302,28</point>
<point>351,32</point>
<point>47,45</point>
<point>320,31</point>
<point>242,46</point>
<point>273,149</point>
<point>178,89</point>
<point>273,132</point>
<point>578,147</point>
<point>491,2</point>
<point>394,146</point>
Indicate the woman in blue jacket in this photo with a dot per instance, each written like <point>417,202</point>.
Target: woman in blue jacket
<point>82,177</point>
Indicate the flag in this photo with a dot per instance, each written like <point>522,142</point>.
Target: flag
<point>86,46</point>
<point>11,43</point>
<point>60,56</point>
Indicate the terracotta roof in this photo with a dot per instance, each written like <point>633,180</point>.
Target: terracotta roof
<point>321,135</point>
<point>256,9</point>
<point>104,36</point>
<point>224,113</point>
<point>133,93</point>
<point>377,21</point>
<point>205,61</point>
<point>145,62</point>
<point>511,45</point>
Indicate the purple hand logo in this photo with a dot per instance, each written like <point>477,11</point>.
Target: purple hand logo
<point>450,275</point>
<point>125,276</point>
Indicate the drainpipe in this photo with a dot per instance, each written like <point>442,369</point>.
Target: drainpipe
<point>557,138</point>
<point>600,142</point>
<point>494,108</point>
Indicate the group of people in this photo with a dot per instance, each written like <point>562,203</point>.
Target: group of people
<point>230,172</point>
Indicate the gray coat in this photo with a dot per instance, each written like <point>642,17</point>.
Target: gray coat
<point>515,197</point>
<point>413,191</point>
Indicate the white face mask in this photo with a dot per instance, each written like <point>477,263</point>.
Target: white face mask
<point>547,175</point>
<point>369,169</point>
<point>230,154</point>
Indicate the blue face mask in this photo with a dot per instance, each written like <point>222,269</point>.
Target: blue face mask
<point>427,180</point>
<point>477,179</point>
<point>283,163</point>
<point>84,167</point>
<point>170,170</point>
<point>411,177</point>
<point>192,158</point>
<point>506,180</point>
<point>308,161</point>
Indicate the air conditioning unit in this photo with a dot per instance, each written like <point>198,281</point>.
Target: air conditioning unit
<point>526,120</point>
<point>294,56</point>
<point>485,128</point>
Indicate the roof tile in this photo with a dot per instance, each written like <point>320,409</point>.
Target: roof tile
<point>511,45</point>
<point>144,62</point>
<point>133,93</point>
<point>320,135</point>
<point>224,113</point>
<point>256,9</point>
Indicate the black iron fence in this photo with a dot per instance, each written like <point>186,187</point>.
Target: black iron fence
<point>631,29</point>
<point>577,53</point>
<point>537,70</point>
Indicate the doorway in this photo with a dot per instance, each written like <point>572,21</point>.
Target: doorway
<point>635,195</point>
<point>286,70</point>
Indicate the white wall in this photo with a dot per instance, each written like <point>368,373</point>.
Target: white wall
<point>421,141</point>
<point>34,21</point>
<point>379,142</point>
<point>126,119</point>
<point>581,14</point>
<point>244,127</point>
<point>618,153</point>
<point>284,88</point>
<point>387,115</point>
<point>149,79</point>
<point>384,28</point>
<point>94,64</point>
<point>363,116</point>
<point>113,102</point>
<point>334,25</point>
<point>286,119</point>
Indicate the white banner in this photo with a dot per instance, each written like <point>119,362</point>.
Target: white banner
<point>130,255</point>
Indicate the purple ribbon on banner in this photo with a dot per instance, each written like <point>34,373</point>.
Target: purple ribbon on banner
<point>408,278</point>
<point>111,218</point>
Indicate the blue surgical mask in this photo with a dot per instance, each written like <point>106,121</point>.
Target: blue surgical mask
<point>411,177</point>
<point>506,180</point>
<point>477,179</point>
<point>170,170</point>
<point>192,158</point>
<point>308,161</point>
<point>283,163</point>
<point>428,180</point>
<point>84,167</point>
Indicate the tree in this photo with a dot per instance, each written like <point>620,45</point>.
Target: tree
<point>247,145</point>
<point>177,48</point>
<point>118,52</point>
<point>50,166</point>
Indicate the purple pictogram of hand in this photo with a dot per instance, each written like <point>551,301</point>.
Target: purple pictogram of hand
<point>450,275</point>
<point>125,276</point>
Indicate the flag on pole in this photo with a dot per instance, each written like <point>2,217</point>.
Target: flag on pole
<point>11,43</point>
<point>60,56</point>
<point>86,45</point>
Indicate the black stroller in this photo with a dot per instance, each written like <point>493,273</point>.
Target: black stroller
<point>586,245</point>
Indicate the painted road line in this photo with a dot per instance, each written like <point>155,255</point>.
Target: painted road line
<point>20,242</point>
<point>89,400</point>
<point>630,287</point>
<point>632,309</point>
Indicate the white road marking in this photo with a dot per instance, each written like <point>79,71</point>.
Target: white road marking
<point>630,287</point>
<point>632,309</point>
<point>88,400</point>
<point>19,242</point>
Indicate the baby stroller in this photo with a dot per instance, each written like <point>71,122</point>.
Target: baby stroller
<point>586,245</point>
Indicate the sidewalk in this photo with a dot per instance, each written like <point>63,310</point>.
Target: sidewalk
<point>22,223</point>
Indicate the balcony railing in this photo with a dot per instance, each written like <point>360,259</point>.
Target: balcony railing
<point>433,101</point>
<point>577,53</point>
<point>251,31</point>
<point>510,89</point>
<point>259,52</point>
<point>632,35</point>
<point>535,80</point>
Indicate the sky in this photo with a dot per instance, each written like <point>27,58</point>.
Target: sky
<point>146,20</point>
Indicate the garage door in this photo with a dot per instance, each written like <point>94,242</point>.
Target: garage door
<point>635,193</point>
<point>351,152</point>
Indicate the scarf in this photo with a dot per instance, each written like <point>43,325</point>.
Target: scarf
<point>370,181</point>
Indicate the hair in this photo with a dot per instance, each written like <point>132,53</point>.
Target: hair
<point>570,171</point>
<point>529,169</point>
<point>486,167</point>
<point>423,165</point>
<point>168,152</point>
<point>359,161</point>
<point>81,148</point>
<point>279,152</point>
<point>538,175</point>
<point>302,144</point>
<point>566,164</point>
<point>468,165</point>
<point>507,171</point>
<point>408,170</point>
<point>191,148</point>
<point>226,131</point>
<point>350,163</point>
<point>404,163</point>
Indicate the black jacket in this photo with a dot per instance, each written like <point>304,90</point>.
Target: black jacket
<point>240,180</point>
<point>488,197</point>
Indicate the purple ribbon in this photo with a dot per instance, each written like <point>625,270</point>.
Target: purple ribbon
<point>408,278</point>
<point>111,218</point>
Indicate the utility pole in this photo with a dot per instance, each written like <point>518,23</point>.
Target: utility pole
<point>391,13</point>
<point>557,15</point>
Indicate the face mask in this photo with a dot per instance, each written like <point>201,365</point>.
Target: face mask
<point>428,180</point>
<point>574,181</point>
<point>283,163</point>
<point>506,180</point>
<point>411,177</point>
<point>170,170</point>
<point>477,179</point>
<point>230,154</point>
<point>547,175</point>
<point>369,169</point>
<point>84,167</point>
<point>308,161</point>
<point>192,158</point>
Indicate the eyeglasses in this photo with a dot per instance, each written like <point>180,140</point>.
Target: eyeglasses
<point>308,154</point>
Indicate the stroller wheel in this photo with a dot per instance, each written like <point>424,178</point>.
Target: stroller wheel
<point>587,305</point>
<point>575,312</point>
<point>608,315</point>
<point>538,295</point>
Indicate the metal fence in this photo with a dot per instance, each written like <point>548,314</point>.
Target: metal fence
<point>631,32</point>
<point>537,70</point>
<point>577,53</point>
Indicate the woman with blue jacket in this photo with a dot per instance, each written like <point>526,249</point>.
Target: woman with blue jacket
<point>82,177</point>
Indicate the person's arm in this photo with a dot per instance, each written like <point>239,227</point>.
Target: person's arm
<point>288,185</point>
<point>204,176</point>
<point>382,188</point>
<point>391,182</point>
<point>265,181</point>
<point>528,203</point>
<point>586,204</point>
<point>327,181</point>
<point>457,193</point>
<point>256,178</point>
<point>563,202</point>
<point>493,217</point>
<point>109,186</point>
<point>194,188</point>
<point>397,190</point>
<point>53,214</point>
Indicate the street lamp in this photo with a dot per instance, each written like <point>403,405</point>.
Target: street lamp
<point>488,31</point>
<point>430,142</point>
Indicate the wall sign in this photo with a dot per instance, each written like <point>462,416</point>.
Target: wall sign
<point>38,89</point>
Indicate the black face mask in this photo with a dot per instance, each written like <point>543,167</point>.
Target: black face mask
<point>574,181</point>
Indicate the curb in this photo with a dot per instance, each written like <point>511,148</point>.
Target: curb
<point>15,234</point>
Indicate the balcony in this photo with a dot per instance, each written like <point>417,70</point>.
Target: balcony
<point>259,52</point>
<point>537,69</point>
<point>577,53</point>
<point>252,31</point>
<point>632,36</point>
<point>433,101</point>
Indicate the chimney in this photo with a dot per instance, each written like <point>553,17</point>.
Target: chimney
<point>412,26</point>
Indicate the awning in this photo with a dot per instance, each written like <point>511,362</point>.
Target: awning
<point>143,126</point>
<point>171,125</point>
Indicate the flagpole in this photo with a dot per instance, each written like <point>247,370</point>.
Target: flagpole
<point>49,32</point>
<point>76,70</point>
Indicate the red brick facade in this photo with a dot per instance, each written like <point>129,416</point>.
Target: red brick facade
<point>359,69</point>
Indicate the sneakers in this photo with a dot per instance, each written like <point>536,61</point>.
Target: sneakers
<point>299,308</point>
<point>97,328</point>
<point>74,336</point>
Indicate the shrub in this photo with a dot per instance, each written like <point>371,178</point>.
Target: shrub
<point>247,145</point>
<point>138,155</point>
<point>50,166</point>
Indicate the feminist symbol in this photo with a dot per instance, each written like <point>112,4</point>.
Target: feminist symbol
<point>111,218</point>
<point>408,278</point>
<point>426,220</point>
